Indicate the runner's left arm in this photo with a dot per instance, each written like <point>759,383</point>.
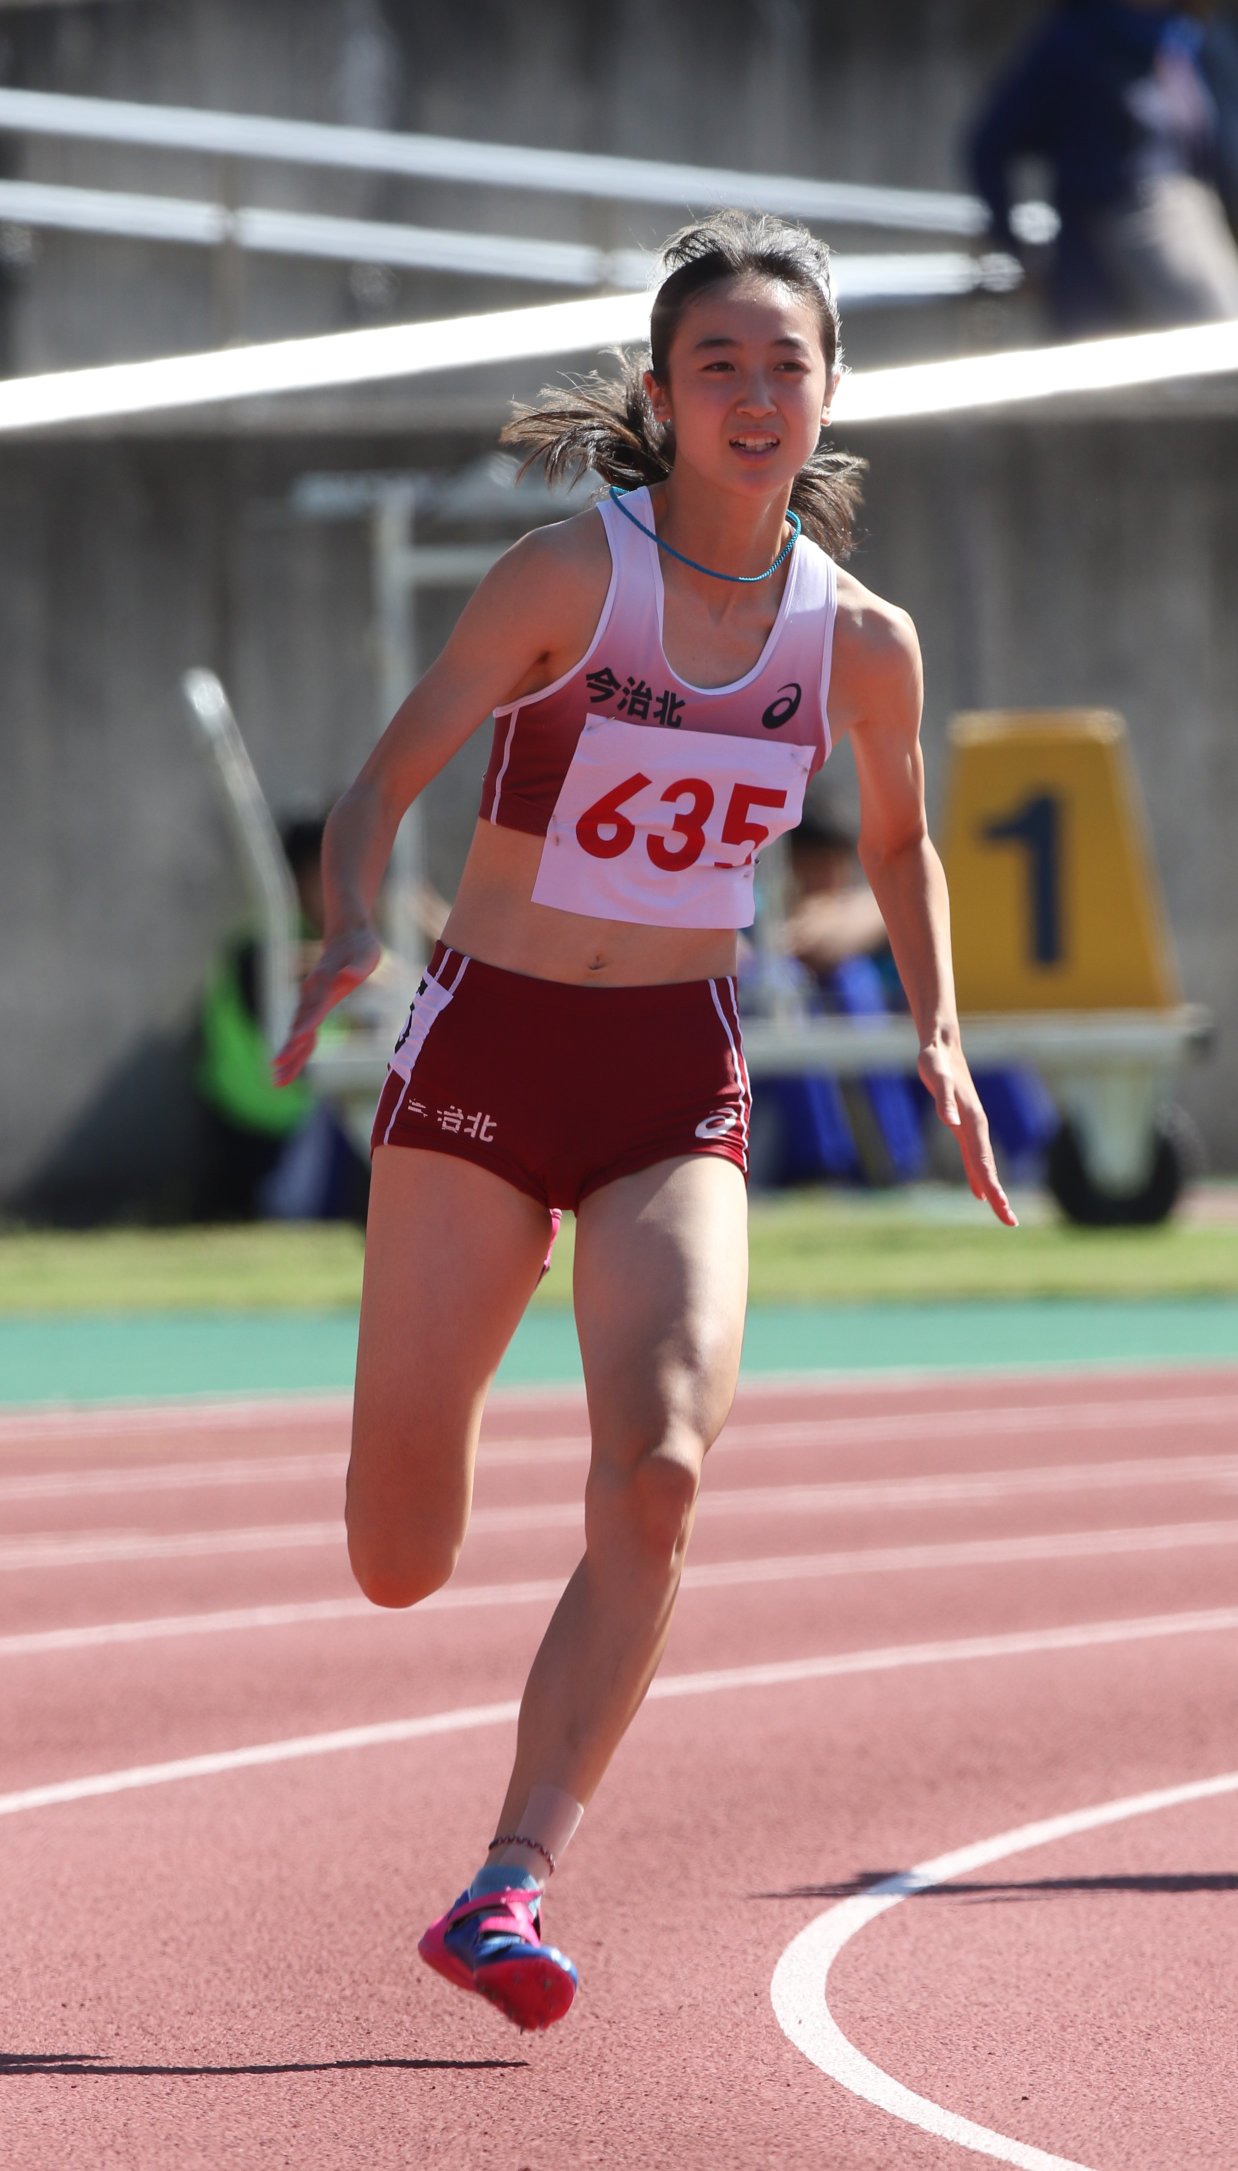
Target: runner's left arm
<point>909,884</point>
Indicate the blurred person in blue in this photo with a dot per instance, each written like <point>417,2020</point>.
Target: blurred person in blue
<point>268,1153</point>
<point>837,959</point>
<point>838,962</point>
<point>1219,62</point>
<point>1118,99</point>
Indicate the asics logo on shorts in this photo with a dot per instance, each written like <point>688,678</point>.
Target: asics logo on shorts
<point>716,1126</point>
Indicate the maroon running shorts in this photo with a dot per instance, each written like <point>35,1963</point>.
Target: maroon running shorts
<point>560,1089</point>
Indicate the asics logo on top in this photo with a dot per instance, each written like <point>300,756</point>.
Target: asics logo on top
<point>716,1126</point>
<point>783,707</point>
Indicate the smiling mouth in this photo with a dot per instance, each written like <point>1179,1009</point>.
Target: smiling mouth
<point>755,444</point>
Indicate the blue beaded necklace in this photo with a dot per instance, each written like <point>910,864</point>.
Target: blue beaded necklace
<point>746,580</point>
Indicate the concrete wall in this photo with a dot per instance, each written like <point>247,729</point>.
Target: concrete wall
<point>815,87</point>
<point>1086,561</point>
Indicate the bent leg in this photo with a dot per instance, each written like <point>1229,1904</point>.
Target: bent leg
<point>452,1256</point>
<point>661,1282</point>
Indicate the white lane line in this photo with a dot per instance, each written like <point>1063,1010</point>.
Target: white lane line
<point>104,1418</point>
<point>263,1752</point>
<point>203,1413</point>
<point>712,1575</point>
<point>59,1549</point>
<point>42,1550</point>
<point>835,1666</point>
<point>1148,1413</point>
<point>101,1417</point>
<point>798,1988</point>
<point>973,1486</point>
<point>824,1432</point>
<point>91,1636</point>
<point>162,1477</point>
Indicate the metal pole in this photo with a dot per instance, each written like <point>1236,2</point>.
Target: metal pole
<point>262,857</point>
<point>229,261</point>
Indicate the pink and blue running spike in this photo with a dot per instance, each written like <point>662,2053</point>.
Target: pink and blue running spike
<point>492,1944</point>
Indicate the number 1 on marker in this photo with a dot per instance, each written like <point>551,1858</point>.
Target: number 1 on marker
<point>1037,825</point>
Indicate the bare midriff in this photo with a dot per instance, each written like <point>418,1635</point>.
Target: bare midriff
<point>495,920</point>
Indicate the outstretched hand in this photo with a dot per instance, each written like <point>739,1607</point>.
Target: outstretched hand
<point>344,962</point>
<point>943,1071</point>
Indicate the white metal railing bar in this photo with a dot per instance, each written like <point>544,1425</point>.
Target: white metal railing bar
<point>319,363</point>
<point>1079,1042</point>
<point>131,217</point>
<point>969,384</point>
<point>1053,1040</point>
<point>921,275</point>
<point>887,276</point>
<point>449,158</point>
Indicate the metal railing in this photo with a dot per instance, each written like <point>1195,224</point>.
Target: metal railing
<point>891,276</point>
<point>598,175</point>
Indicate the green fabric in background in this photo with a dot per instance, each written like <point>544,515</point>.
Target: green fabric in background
<point>153,1356</point>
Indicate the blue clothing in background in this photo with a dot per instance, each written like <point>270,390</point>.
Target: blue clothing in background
<point>808,1127</point>
<point>1113,98</point>
<point>1219,63</point>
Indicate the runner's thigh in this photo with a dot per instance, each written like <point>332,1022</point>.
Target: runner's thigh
<point>453,1254</point>
<point>661,1280</point>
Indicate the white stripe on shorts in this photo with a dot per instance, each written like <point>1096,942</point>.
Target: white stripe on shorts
<point>735,1037</point>
<point>428,1003</point>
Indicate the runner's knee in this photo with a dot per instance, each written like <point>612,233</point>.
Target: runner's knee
<point>649,1503</point>
<point>405,1516</point>
<point>397,1568</point>
<point>399,1552</point>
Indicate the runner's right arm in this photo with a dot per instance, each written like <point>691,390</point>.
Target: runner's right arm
<point>531,611</point>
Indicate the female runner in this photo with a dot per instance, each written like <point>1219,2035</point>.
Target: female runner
<point>658,668</point>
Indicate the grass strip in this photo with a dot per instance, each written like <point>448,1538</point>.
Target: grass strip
<point>811,1247</point>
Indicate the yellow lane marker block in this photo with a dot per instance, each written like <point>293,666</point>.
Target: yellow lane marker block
<point>1055,902</point>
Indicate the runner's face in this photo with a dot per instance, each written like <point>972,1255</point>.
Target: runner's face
<point>748,385</point>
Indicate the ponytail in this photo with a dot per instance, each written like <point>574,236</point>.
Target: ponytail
<point>601,425</point>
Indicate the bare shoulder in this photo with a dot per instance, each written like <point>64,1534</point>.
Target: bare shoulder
<point>570,558</point>
<point>580,539</point>
<point>876,656</point>
<point>552,585</point>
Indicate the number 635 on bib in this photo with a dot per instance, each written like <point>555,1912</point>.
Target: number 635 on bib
<point>665,830</point>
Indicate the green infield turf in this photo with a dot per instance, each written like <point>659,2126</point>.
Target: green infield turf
<point>810,1248</point>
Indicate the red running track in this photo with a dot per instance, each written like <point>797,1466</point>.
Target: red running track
<point>917,1618</point>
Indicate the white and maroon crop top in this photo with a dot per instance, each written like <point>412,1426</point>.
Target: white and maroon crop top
<point>655,796</point>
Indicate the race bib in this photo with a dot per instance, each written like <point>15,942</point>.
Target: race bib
<point>663,827</point>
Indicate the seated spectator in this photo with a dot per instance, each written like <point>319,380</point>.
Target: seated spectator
<point>1114,97</point>
<point>268,1152</point>
<point>832,913</point>
<point>836,959</point>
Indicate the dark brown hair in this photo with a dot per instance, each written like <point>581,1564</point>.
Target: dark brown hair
<point>606,424</point>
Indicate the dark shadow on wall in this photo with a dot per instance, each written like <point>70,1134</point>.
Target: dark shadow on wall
<point>133,1153</point>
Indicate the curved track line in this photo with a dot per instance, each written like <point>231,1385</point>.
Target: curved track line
<point>891,1659</point>
<point>798,1988</point>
